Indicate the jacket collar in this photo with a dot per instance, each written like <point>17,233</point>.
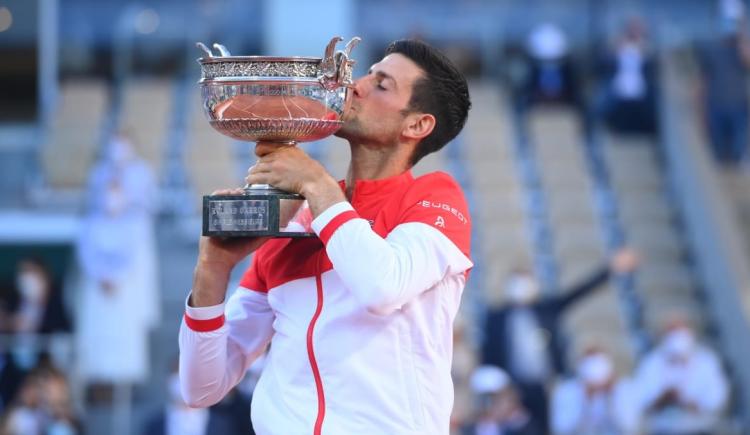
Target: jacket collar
<point>370,189</point>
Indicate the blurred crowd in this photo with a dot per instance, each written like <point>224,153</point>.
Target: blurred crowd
<point>677,388</point>
<point>521,383</point>
<point>624,92</point>
<point>34,393</point>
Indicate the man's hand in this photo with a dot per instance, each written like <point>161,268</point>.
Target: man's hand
<point>625,260</point>
<point>289,168</point>
<point>217,257</point>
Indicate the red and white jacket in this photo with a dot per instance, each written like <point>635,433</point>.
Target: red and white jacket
<point>360,320</point>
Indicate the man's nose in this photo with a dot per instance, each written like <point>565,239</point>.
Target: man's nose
<point>359,87</point>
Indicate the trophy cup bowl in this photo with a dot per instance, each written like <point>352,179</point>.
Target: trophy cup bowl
<point>283,100</point>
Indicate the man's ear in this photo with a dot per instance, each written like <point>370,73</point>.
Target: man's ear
<point>419,125</point>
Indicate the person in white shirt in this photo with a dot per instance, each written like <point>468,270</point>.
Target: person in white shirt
<point>116,252</point>
<point>595,401</point>
<point>683,385</point>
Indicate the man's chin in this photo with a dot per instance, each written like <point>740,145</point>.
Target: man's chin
<point>342,133</point>
<point>348,129</point>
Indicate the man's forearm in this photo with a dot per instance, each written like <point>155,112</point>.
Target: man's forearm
<point>209,284</point>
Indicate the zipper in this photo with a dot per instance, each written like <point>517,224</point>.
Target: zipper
<point>311,350</point>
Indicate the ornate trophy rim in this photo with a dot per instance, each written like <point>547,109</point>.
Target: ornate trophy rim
<point>332,70</point>
<point>203,60</point>
<point>228,80</point>
<point>253,70</point>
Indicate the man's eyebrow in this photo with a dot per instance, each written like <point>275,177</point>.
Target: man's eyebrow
<point>384,76</point>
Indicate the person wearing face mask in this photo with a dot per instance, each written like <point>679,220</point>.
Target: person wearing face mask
<point>36,307</point>
<point>117,257</point>
<point>628,99</point>
<point>683,385</point>
<point>595,401</point>
<point>40,307</point>
<point>523,336</point>
<point>500,411</point>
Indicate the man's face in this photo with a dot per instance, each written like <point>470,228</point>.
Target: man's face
<point>378,101</point>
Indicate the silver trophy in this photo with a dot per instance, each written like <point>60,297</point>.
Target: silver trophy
<point>283,100</point>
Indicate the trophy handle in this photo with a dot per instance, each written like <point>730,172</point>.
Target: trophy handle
<point>329,61</point>
<point>221,49</point>
<point>344,65</point>
<point>223,52</point>
<point>205,49</point>
<point>351,44</point>
<point>336,66</point>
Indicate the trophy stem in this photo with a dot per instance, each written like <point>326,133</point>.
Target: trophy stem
<point>266,189</point>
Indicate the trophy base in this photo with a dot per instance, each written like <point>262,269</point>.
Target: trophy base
<point>259,212</point>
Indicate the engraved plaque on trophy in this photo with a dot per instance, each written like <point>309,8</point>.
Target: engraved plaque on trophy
<point>282,100</point>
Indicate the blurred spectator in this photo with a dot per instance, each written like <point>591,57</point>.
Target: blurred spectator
<point>61,419</point>
<point>37,305</point>
<point>25,415</point>
<point>515,72</point>
<point>627,102</point>
<point>595,401</point>
<point>500,408</point>
<point>523,337</point>
<point>551,77</point>
<point>43,406</point>
<point>117,256</point>
<point>231,416</point>
<point>34,307</point>
<point>725,62</point>
<point>683,386</point>
<point>464,363</point>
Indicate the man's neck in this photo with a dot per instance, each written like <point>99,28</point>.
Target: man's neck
<point>375,163</point>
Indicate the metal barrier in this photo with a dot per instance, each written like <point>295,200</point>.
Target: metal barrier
<point>710,227</point>
<point>606,205</point>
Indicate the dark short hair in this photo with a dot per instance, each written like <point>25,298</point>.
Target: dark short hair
<point>441,92</point>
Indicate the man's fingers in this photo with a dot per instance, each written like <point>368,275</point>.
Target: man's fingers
<point>260,167</point>
<point>259,178</point>
<point>259,173</point>
<point>264,148</point>
<point>268,149</point>
<point>224,192</point>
